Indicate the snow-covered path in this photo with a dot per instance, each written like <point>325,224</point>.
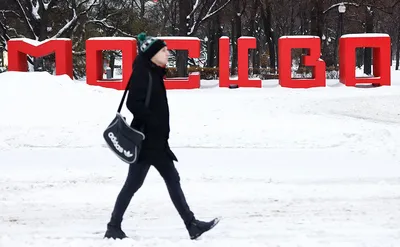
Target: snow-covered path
<point>63,197</point>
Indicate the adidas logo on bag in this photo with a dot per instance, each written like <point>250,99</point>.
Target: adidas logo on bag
<point>114,140</point>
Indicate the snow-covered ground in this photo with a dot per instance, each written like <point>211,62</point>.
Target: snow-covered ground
<point>282,167</point>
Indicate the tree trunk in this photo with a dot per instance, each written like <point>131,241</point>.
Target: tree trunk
<point>336,50</point>
<point>216,39</point>
<point>314,18</point>
<point>40,28</point>
<point>292,17</point>
<point>238,27</point>
<point>236,33</point>
<point>1,57</point>
<point>267,21</point>
<point>210,43</point>
<point>252,33</point>
<point>398,47</point>
<point>276,50</point>
<point>369,28</point>
<point>303,31</point>
<point>142,9</point>
<point>233,45</point>
<point>256,56</point>
<point>215,32</point>
<point>317,21</point>
<point>182,56</point>
<point>321,20</point>
<point>112,64</point>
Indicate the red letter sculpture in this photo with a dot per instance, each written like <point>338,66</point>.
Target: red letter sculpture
<point>381,53</point>
<point>94,60</point>
<point>244,44</point>
<point>18,49</point>
<point>286,44</point>
<point>192,45</point>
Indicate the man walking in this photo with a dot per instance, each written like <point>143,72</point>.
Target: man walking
<point>153,57</point>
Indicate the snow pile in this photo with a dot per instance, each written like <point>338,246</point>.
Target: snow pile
<point>54,111</point>
<point>42,110</point>
<point>283,167</point>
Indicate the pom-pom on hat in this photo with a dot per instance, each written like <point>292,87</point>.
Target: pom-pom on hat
<point>149,46</point>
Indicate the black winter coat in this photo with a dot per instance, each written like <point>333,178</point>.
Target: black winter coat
<point>155,117</point>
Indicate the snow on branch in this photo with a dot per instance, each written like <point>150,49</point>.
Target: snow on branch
<point>67,26</point>
<point>137,4</point>
<point>49,4</point>
<point>201,18</point>
<point>106,25</point>
<point>9,11</point>
<point>94,3</point>
<point>209,10</point>
<point>387,10</point>
<point>3,42</point>
<point>3,34</point>
<point>196,5</point>
<point>26,19</point>
<point>35,10</point>
<point>75,16</point>
<point>79,53</point>
<point>84,2</point>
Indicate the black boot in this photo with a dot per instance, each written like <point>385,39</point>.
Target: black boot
<point>114,231</point>
<point>196,227</point>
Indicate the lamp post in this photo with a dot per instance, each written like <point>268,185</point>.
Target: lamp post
<point>342,10</point>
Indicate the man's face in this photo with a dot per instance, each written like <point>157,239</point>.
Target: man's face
<point>161,57</point>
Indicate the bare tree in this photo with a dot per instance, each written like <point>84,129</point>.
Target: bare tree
<point>266,15</point>
<point>42,19</point>
<point>203,11</point>
<point>207,19</point>
<point>192,14</point>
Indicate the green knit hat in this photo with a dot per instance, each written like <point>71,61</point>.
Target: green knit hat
<point>149,46</point>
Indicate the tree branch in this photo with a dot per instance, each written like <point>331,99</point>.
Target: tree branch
<point>82,3</point>
<point>79,53</point>
<point>50,4</point>
<point>9,11</point>
<point>104,24</point>
<point>215,12</point>
<point>75,16</point>
<point>26,19</point>
<point>3,35</point>
<point>35,9</point>
<point>90,8</point>
<point>137,4</point>
<point>209,14</point>
<point>195,7</point>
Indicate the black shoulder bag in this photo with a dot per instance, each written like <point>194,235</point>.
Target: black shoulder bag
<point>120,137</point>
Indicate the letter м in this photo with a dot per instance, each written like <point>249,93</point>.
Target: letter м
<point>18,49</point>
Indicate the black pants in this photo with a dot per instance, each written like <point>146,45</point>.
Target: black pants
<point>136,176</point>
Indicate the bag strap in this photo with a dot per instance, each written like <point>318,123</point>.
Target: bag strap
<point>149,87</point>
